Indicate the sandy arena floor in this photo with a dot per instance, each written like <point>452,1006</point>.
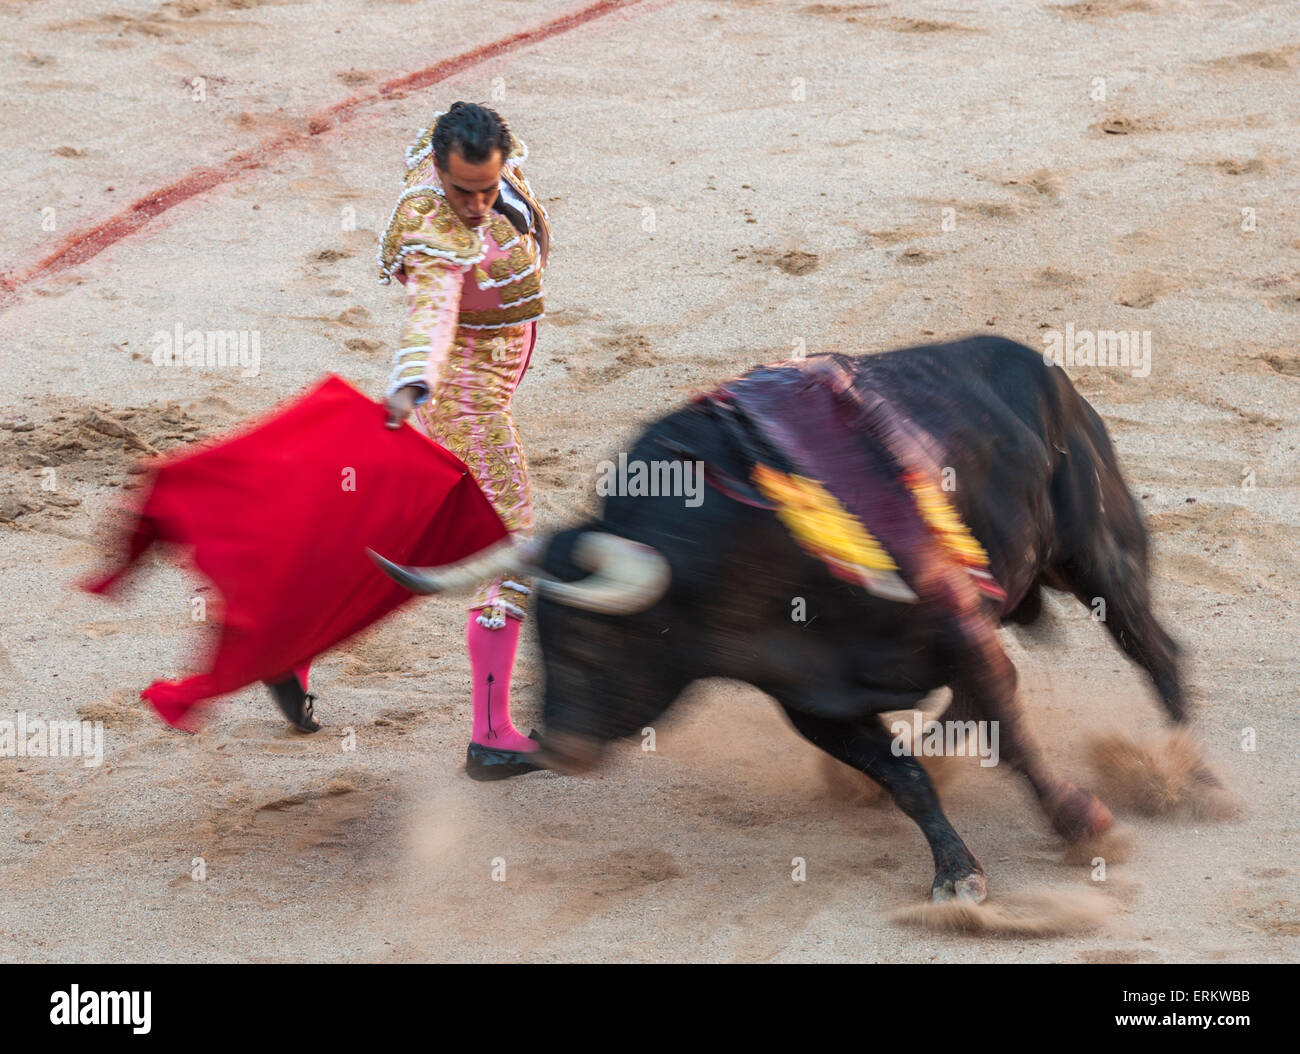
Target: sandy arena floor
<point>728,182</point>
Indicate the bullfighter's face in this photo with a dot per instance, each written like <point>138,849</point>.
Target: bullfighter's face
<point>471,189</point>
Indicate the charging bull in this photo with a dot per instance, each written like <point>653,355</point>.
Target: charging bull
<point>658,592</point>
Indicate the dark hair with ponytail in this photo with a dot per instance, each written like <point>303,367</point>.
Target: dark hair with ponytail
<point>474,131</point>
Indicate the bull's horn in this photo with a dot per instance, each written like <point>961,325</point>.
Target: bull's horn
<point>511,554</point>
<point>626,576</point>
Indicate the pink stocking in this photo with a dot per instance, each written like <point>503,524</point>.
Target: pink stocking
<point>492,660</point>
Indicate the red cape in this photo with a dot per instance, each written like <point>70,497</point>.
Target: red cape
<point>279,517</point>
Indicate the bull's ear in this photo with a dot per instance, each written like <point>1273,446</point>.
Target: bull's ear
<point>558,557</point>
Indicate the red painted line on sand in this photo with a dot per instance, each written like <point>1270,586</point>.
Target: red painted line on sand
<point>81,245</point>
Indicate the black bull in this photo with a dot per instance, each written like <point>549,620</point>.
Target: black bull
<point>1037,483</point>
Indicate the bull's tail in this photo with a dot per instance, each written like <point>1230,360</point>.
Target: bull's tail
<point>1102,552</point>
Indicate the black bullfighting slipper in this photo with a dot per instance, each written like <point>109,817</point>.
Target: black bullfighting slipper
<point>295,704</point>
<point>487,763</point>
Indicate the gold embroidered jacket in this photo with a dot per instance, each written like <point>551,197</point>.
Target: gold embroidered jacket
<point>458,280</point>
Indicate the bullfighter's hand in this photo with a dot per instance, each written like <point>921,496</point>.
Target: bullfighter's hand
<point>399,405</point>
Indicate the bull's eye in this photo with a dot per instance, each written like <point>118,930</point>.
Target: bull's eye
<point>590,642</point>
<point>587,650</point>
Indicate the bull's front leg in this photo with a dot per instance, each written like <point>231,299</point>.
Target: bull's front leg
<point>867,748</point>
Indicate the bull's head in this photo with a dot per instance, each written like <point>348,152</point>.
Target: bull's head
<point>608,672</point>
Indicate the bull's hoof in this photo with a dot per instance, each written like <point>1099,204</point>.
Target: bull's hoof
<point>969,887</point>
<point>1077,814</point>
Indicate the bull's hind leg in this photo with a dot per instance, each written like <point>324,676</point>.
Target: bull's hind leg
<point>867,748</point>
<point>1074,813</point>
